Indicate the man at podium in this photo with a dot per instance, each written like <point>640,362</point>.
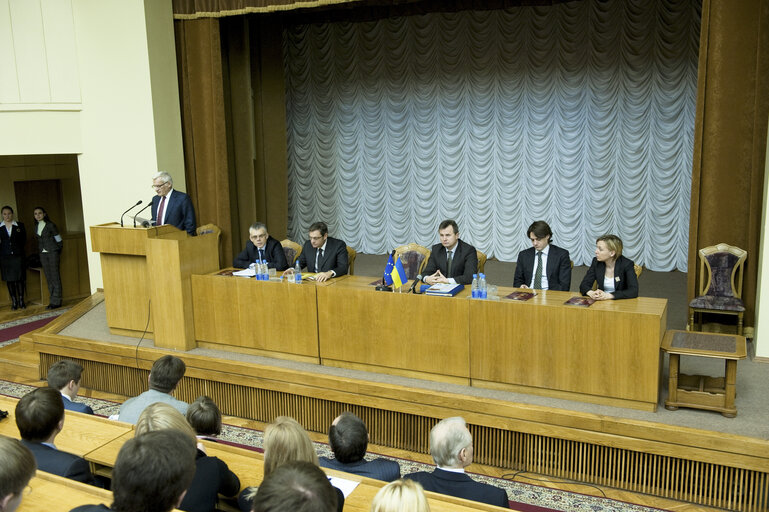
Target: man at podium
<point>170,206</point>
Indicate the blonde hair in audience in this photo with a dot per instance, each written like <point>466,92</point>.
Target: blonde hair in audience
<point>161,416</point>
<point>399,495</point>
<point>284,441</point>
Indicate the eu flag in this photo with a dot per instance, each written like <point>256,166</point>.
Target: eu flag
<point>395,274</point>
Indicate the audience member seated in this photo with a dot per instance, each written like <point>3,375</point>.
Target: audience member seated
<point>296,486</point>
<point>451,446</point>
<point>17,467</point>
<point>40,418</point>
<point>348,438</point>
<point>284,441</point>
<point>212,476</point>
<point>165,374</point>
<point>204,417</point>
<point>65,375</point>
<point>400,495</point>
<point>613,273</point>
<point>152,472</point>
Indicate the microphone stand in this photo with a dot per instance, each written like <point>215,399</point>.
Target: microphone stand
<point>128,210</point>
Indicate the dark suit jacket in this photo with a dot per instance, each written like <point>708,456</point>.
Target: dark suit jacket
<point>625,280</point>
<point>61,463</point>
<point>76,406</point>
<point>179,211</point>
<point>46,240</point>
<point>460,485</point>
<point>378,469</point>
<point>334,257</point>
<point>558,269</point>
<point>463,265</point>
<point>212,477</point>
<point>273,253</point>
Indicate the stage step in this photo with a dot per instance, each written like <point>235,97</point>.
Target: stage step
<point>18,364</point>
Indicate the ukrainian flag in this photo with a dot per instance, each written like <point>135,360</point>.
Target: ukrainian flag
<point>395,274</point>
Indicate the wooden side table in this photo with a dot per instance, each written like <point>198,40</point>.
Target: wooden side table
<point>700,391</point>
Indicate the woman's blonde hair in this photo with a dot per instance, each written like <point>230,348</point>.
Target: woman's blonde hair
<point>613,243</point>
<point>284,441</point>
<point>161,416</point>
<point>399,495</point>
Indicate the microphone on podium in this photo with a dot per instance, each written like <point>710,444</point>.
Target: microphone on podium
<point>145,223</point>
<point>128,210</point>
<point>417,279</point>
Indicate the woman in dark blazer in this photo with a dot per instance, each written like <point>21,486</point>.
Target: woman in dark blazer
<point>49,245</point>
<point>614,273</point>
<point>12,239</point>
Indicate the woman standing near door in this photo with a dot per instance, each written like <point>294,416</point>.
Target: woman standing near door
<point>12,238</point>
<point>49,245</point>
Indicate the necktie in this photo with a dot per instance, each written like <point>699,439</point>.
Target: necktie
<point>538,272</point>
<point>449,259</point>
<point>159,219</point>
<point>261,256</point>
<point>318,257</point>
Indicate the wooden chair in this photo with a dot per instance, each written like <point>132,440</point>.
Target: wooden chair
<point>208,229</point>
<point>292,250</point>
<point>481,261</point>
<point>721,292</point>
<point>414,258</point>
<point>351,253</point>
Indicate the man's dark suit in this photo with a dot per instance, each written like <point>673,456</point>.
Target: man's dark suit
<point>461,486</point>
<point>625,280</point>
<point>178,211</point>
<point>378,469</point>
<point>558,269</point>
<point>464,262</point>
<point>272,252</point>
<point>334,257</point>
<point>61,463</point>
<point>76,406</point>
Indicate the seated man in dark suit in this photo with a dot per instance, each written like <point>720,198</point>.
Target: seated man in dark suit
<point>452,260</point>
<point>323,255</point>
<point>17,467</point>
<point>65,375</point>
<point>348,438</point>
<point>152,472</point>
<point>451,446</point>
<point>552,268</point>
<point>40,418</point>
<point>296,487</point>
<point>261,246</point>
<point>170,206</point>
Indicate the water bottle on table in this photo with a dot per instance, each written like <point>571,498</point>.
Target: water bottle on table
<point>298,274</point>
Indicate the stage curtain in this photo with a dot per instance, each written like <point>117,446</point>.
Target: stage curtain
<point>581,114</point>
<point>199,63</point>
<point>730,136</point>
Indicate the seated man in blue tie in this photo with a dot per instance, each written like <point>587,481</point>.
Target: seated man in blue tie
<point>543,266</point>
<point>40,418</point>
<point>451,261</point>
<point>323,255</point>
<point>65,376</point>
<point>261,246</point>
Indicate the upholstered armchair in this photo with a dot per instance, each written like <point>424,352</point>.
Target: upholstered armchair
<point>351,254</point>
<point>414,258</point>
<point>292,250</point>
<point>720,290</point>
<point>481,261</point>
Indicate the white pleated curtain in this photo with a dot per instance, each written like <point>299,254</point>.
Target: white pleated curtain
<point>581,114</point>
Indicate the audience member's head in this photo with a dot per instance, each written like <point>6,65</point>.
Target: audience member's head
<point>204,416</point>
<point>166,373</point>
<point>285,440</point>
<point>40,415</point>
<point>161,416</point>
<point>65,375</point>
<point>17,467</point>
<point>400,495</point>
<point>348,438</point>
<point>153,472</point>
<point>297,486</point>
<point>451,444</point>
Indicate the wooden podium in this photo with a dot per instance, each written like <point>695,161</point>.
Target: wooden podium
<point>147,271</point>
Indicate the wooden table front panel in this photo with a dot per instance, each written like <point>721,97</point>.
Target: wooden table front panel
<point>126,291</point>
<point>610,349</point>
<point>357,324</point>
<point>266,315</point>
